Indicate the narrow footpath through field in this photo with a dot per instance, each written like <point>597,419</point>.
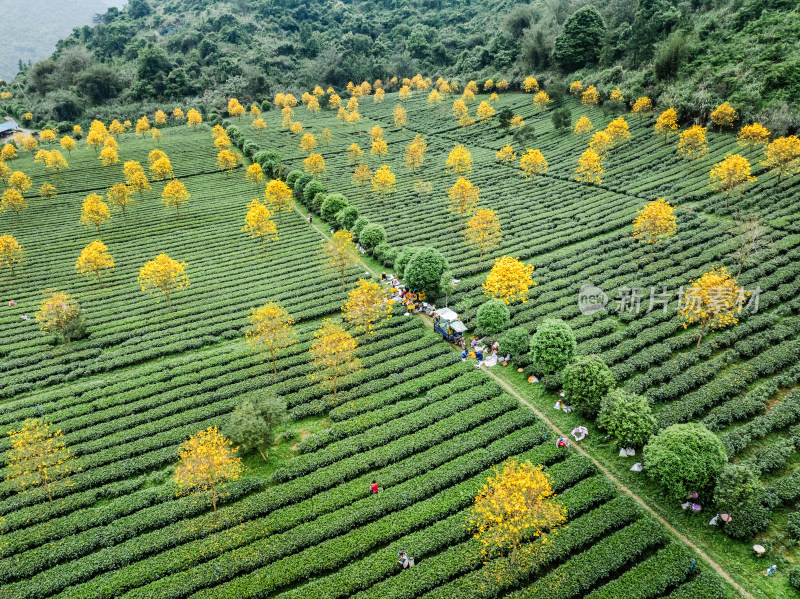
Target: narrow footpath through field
<point>704,556</point>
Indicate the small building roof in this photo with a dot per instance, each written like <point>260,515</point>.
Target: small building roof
<point>447,314</point>
<point>8,126</point>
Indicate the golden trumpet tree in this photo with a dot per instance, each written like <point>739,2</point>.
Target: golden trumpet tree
<point>160,117</point>
<point>783,156</point>
<point>532,163</point>
<point>516,505</point>
<point>47,136</point>
<point>193,118</point>
<point>175,195</point>
<point>506,154</point>
<point>59,314</point>
<point>308,143</point>
<point>334,101</point>
<point>178,114</point>
<point>135,177</point>
<point>376,133</point>
<point>379,94</point>
<point>205,462</point>
<point>583,125</point>
<point>589,167</point>
<point>271,330</point>
<point>56,160</point>
<point>4,172</point>
<point>165,275</point>
<point>119,196</point>
<point>666,123</point>
<point>600,143</point>
<point>731,174</point>
<point>156,135</point>
<point>753,135</point>
<point>383,181</point>
<point>47,191</point>
<point>400,116</point>
<point>692,143</point>
<point>341,252</point>
<point>415,153</point>
<point>459,161</point>
<point>12,199</point>
<point>155,155</point>
<point>529,84</point>
<point>11,254</point>
<point>516,122</point>
<point>379,147</point>
<point>354,154</point>
<point>94,211</point>
<point>655,222</point>
<point>590,97</point>
<point>509,280</point>
<point>257,223</point>
<point>366,308</point>
<point>314,164</point>
<point>483,231</point>
<point>235,109</point>
<point>404,93</point>
<point>8,152</point>
<point>109,156</point>
<point>576,87</point>
<point>116,128</point>
<point>93,259</point>
<point>618,131</point>
<point>541,100</point>
<point>279,197</point>
<point>723,115</point>
<point>485,112</point>
<point>39,458</point>
<point>616,95</point>
<point>463,197</point>
<point>255,174</point>
<point>255,111</point>
<point>362,176</point>
<point>142,126</point>
<point>161,169</point>
<point>19,181</point>
<point>333,354</point>
<point>502,85</point>
<point>227,161</point>
<point>713,301</point>
<point>434,97</point>
<point>642,105</point>
<point>258,124</point>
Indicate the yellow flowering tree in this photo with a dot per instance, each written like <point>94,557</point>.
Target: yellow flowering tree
<point>193,118</point>
<point>165,275</point>
<point>354,154</point>
<point>205,463</point>
<point>156,135</point>
<point>666,123</point>
<point>94,258</point>
<point>142,126</point>
<point>576,88</point>
<point>314,164</point>
<point>529,84</point>
<point>618,131</point>
<point>600,143</point>
<point>333,354</point>
<point>12,199</point>
<point>783,156</point>
<point>279,197</point>
<point>258,124</point>
<point>109,156</point>
<point>362,176</point>
<point>60,315</point>
<point>327,136</point>
<point>583,125</point>
<point>731,174</point>
<point>366,307</point>
<point>227,161</point>
<point>434,97</point>
<point>516,122</point>
<point>11,254</point>
<point>485,112</point>
<point>459,161</point>
<point>255,174</point>
<point>160,117</point>
<point>532,163</point>
<point>516,504</point>
<point>270,330</point>
<point>308,143</point>
<point>400,116</point>
<point>116,128</point>
<point>590,97</point>
<point>55,160</point>
<point>654,223</point>
<point>178,114</point>
<point>692,143</point>
<point>506,154</point>
<point>47,136</point>
<point>8,152</point>
<point>68,144</point>
<point>384,181</point>
<point>753,135</point>
<point>235,109</point>
<point>379,147</point>
<point>19,181</point>
<point>483,231</point>
<point>161,169</point>
<point>341,253</point>
<point>415,153</point>
<point>541,100</point>
<point>463,197</point>
<point>175,195</point>
<point>642,105</point>
<point>616,96</point>
<point>258,222</point>
<point>135,177</point>
<point>39,458</point>
<point>589,167</point>
<point>94,211</point>
<point>509,280</point>
<point>713,301</point>
<point>378,98</point>
<point>723,115</point>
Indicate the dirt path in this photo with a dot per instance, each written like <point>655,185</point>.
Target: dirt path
<point>717,568</point>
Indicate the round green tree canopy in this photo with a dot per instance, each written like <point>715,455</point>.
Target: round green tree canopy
<point>493,317</point>
<point>424,271</point>
<point>627,417</point>
<point>586,382</point>
<point>553,345</point>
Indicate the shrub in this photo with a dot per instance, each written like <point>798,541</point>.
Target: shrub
<point>292,178</point>
<point>332,205</point>
<point>553,345</point>
<point>311,189</point>
<point>580,40</point>
<point>794,577</point>
<point>492,317</point>
<point>627,417</point>
<point>404,257</point>
<point>586,382</point>
<point>360,223</point>
<point>385,253</point>
<point>793,525</point>
<point>736,484</point>
<point>516,341</point>
<point>347,217</point>
<point>300,184</point>
<point>424,271</point>
<point>317,201</point>
<point>371,237</point>
<point>561,118</point>
<point>684,458</point>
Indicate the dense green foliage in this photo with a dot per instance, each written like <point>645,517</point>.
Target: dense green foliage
<point>627,417</point>
<point>553,345</point>
<point>492,317</point>
<point>586,382</point>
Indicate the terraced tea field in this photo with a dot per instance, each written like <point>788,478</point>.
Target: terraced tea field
<point>416,418</point>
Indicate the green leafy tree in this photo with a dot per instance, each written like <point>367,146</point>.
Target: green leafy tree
<point>372,236</point>
<point>252,425</point>
<point>492,317</point>
<point>424,271</point>
<point>516,341</point>
<point>347,217</point>
<point>586,382</point>
<point>737,484</point>
<point>332,205</point>
<point>684,458</point>
<point>553,346</point>
<point>581,39</point>
<point>627,417</point>
<point>562,117</point>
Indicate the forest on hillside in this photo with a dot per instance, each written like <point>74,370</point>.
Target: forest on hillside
<point>688,54</point>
